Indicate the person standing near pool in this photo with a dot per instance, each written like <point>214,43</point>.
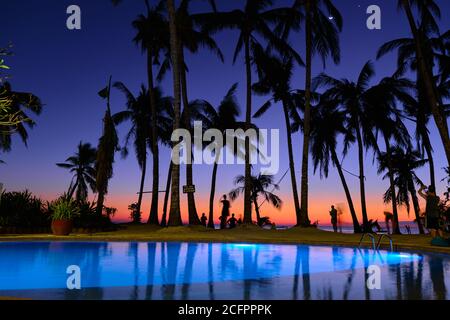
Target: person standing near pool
<point>333,214</point>
<point>203,219</point>
<point>432,212</point>
<point>225,212</point>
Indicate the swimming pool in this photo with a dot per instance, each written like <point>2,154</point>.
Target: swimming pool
<point>169,270</point>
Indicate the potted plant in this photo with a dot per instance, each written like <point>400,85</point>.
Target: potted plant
<point>64,210</point>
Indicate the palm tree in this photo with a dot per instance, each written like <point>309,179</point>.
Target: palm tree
<point>221,119</point>
<point>253,23</point>
<point>323,22</point>
<point>153,37</point>
<point>175,214</point>
<point>190,39</point>
<point>139,114</point>
<point>404,163</point>
<point>385,117</point>
<point>259,185</point>
<point>353,100</point>
<point>328,122</point>
<point>275,78</point>
<point>428,10</point>
<point>107,146</point>
<point>81,164</point>
<point>18,103</point>
<point>418,109</point>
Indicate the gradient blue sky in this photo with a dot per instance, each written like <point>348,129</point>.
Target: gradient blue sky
<point>66,69</point>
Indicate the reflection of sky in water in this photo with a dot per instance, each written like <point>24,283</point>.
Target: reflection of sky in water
<point>43,265</point>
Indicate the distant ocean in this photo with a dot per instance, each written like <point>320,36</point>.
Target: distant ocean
<point>347,228</point>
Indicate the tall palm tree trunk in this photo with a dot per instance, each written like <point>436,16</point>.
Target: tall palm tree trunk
<point>248,115</point>
<point>141,186</point>
<point>166,196</point>
<point>213,191</point>
<point>192,210</point>
<point>415,200</point>
<point>303,219</point>
<point>291,160</point>
<point>396,226</point>
<point>356,226</point>
<point>153,217</point>
<point>175,214</point>
<point>100,202</point>
<point>429,151</point>
<point>361,179</point>
<point>258,215</point>
<point>436,105</point>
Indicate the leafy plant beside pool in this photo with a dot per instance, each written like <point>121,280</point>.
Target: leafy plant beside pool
<point>23,212</point>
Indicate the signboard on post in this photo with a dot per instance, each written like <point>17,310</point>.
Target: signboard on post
<point>189,189</point>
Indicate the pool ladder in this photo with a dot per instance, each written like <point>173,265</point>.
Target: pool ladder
<point>378,245</point>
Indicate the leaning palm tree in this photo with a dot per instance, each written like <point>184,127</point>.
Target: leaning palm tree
<point>191,39</point>
<point>385,118</point>
<point>107,146</point>
<point>253,24</point>
<point>404,164</point>
<point>352,96</point>
<point>222,118</point>
<point>322,38</point>
<point>18,104</point>
<point>275,78</point>
<point>139,114</point>
<point>328,122</point>
<point>153,37</point>
<point>81,165</point>
<point>259,187</point>
<point>428,10</point>
<point>418,110</point>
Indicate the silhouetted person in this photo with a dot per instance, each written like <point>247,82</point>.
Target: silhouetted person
<point>232,222</point>
<point>203,219</point>
<point>408,229</point>
<point>333,214</point>
<point>225,212</point>
<point>432,212</point>
<point>239,222</point>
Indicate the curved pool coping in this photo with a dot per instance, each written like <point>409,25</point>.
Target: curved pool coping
<point>201,236</point>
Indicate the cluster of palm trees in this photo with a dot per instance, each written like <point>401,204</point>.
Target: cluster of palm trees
<point>326,110</point>
<point>14,109</point>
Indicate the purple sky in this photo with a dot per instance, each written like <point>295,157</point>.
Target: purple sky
<point>66,69</point>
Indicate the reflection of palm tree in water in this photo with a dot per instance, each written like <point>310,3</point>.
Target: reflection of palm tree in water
<point>210,273</point>
<point>151,257</point>
<point>302,259</point>
<point>170,270</point>
<point>248,273</point>
<point>437,277</point>
<point>90,270</point>
<point>365,254</point>
<point>190,257</point>
<point>350,276</point>
<point>413,283</point>
<point>306,275</point>
<point>133,252</point>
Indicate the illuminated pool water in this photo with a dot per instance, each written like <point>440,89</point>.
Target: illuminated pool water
<point>139,270</point>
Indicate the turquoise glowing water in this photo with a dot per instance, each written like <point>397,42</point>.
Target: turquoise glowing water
<point>139,270</point>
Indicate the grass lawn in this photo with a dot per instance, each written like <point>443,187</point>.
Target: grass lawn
<point>240,234</point>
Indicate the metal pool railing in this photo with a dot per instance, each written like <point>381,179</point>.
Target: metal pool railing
<point>377,246</point>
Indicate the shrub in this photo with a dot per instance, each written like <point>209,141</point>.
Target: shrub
<point>64,209</point>
<point>22,209</point>
<point>135,215</point>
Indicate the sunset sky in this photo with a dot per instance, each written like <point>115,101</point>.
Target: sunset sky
<point>67,68</point>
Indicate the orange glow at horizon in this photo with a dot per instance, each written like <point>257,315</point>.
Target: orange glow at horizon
<point>319,208</point>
